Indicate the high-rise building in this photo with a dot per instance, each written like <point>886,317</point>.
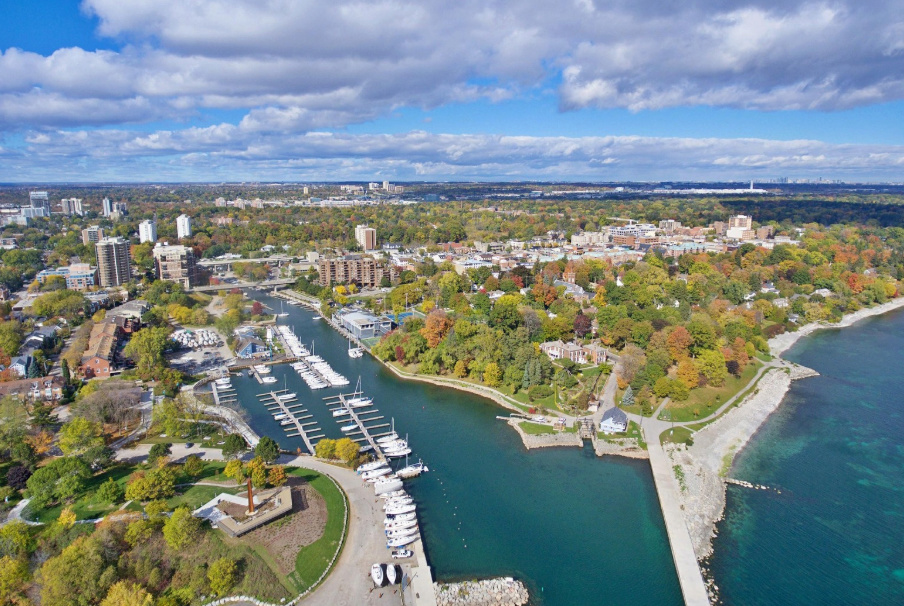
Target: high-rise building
<point>175,263</point>
<point>106,207</point>
<point>147,231</point>
<point>364,271</point>
<point>386,185</point>
<point>740,227</point>
<point>366,237</point>
<point>183,226</point>
<point>40,199</point>
<point>742,221</point>
<point>92,235</point>
<point>114,267</point>
<point>72,206</point>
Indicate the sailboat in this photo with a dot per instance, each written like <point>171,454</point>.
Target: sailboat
<point>282,312</point>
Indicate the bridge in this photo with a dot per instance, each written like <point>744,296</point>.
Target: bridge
<point>273,261</point>
<point>263,285</point>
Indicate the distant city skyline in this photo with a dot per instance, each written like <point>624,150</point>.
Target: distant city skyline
<point>175,91</point>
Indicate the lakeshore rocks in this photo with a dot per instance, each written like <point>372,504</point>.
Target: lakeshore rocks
<point>559,438</point>
<point>623,447</point>
<point>705,465</point>
<point>491,592</point>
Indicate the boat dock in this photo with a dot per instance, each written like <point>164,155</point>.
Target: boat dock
<point>276,403</point>
<point>356,415</point>
<point>223,395</point>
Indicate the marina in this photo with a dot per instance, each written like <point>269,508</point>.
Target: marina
<point>355,413</point>
<point>292,416</point>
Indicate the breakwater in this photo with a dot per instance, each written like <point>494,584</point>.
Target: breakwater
<point>490,592</point>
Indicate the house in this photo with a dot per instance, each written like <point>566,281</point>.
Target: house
<point>614,421</point>
<point>596,353</point>
<point>20,365</point>
<point>251,347</point>
<point>98,361</point>
<point>43,389</point>
<point>557,350</point>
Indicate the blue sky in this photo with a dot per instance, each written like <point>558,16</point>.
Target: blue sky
<point>210,90</point>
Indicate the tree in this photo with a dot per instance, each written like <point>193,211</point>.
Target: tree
<point>436,326</point>
<point>146,348</point>
<point>256,308</point>
<point>77,576</point>
<point>628,397</point>
<point>126,593</point>
<point>663,387</point>
<point>60,479</point>
<point>159,483</point>
<point>13,422</point>
<point>16,539</point>
<point>17,476</point>
<point>66,518</point>
<point>222,575</point>
<point>64,371</point>
<point>13,578</point>
<point>257,471</point>
<point>234,445</point>
<point>267,449</point>
<point>461,369</point>
<point>193,466</point>
<point>347,450</point>
<point>582,325</point>
<point>325,449</point>
<point>679,342</point>
<point>235,470</point>
<point>98,456</point>
<point>688,373</point>
<point>157,451</point>
<point>181,528</point>
<point>78,435</point>
<point>711,364</point>
<point>277,475</point>
<point>110,492</point>
<point>492,375</point>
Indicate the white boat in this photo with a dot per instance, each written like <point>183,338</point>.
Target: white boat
<point>377,574</point>
<point>401,554</point>
<point>279,416</point>
<point>396,454</point>
<point>224,382</point>
<point>359,402</point>
<point>400,517</point>
<point>287,422</point>
<point>401,532</point>
<point>393,574</point>
<point>400,525</point>
<point>396,509</point>
<point>370,466</point>
<point>365,448</point>
<point>388,485</point>
<point>387,439</point>
<point>394,495</point>
<point>412,471</point>
<point>287,396</point>
<point>401,541</point>
<point>350,427</point>
<point>382,478</point>
<point>393,503</point>
<point>341,412</point>
<point>262,370</point>
<point>268,380</point>
<point>376,473</point>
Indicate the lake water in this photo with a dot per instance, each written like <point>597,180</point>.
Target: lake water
<point>835,450</point>
<point>578,529</point>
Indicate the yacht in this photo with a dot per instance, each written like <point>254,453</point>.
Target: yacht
<point>395,454</point>
<point>401,541</point>
<point>223,382</point>
<point>387,439</point>
<point>262,369</point>
<point>287,422</point>
<point>395,494</point>
<point>287,396</point>
<point>354,352</point>
<point>376,473</point>
<point>370,466</point>
<point>393,574</point>
<point>341,412</point>
<point>349,427</point>
<point>378,574</point>
<point>397,503</point>
<point>401,532</point>
<point>412,471</point>
<point>268,380</point>
<point>402,517</point>
<point>387,485</point>
<point>396,509</point>
<point>281,415</point>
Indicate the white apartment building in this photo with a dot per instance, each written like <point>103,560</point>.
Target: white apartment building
<point>147,231</point>
<point>183,226</point>
<point>366,237</point>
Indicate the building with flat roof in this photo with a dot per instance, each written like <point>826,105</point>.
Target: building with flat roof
<point>363,325</point>
<point>364,271</point>
<point>78,276</point>
<point>147,231</point>
<point>366,237</point>
<point>114,266</point>
<point>41,200</point>
<point>175,263</point>
<point>183,226</point>
<point>92,235</point>
<point>72,206</point>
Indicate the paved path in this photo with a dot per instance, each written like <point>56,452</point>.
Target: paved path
<point>15,514</point>
<point>689,577</point>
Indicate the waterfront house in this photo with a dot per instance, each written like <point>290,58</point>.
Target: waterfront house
<point>557,350</point>
<point>363,324</point>
<point>614,421</point>
<point>251,347</point>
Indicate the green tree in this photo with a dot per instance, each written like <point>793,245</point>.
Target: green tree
<point>193,466</point>
<point>222,575</point>
<point>234,445</point>
<point>158,483</point>
<point>325,449</point>
<point>267,449</point>
<point>146,348</point>
<point>235,470</point>
<point>64,371</point>
<point>711,364</point>
<point>61,479</point>
<point>628,397</point>
<point>13,422</point>
<point>13,579</point>
<point>157,451</point>
<point>110,492</point>
<point>79,576</point>
<point>79,435</point>
<point>181,528</point>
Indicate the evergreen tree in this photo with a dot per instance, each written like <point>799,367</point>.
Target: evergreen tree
<point>34,370</point>
<point>628,397</point>
<point>525,380</point>
<point>64,370</point>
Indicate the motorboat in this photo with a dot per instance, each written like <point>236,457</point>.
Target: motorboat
<point>389,484</point>
<point>349,428</point>
<point>401,554</point>
<point>287,396</point>
<point>268,380</point>
<point>223,382</point>
<point>378,574</point>
<point>401,541</point>
<point>370,466</point>
<point>412,471</point>
<point>262,370</point>
<point>376,473</point>
<point>396,509</point>
<point>281,415</point>
<point>393,495</point>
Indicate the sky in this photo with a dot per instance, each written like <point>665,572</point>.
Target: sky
<point>433,90</point>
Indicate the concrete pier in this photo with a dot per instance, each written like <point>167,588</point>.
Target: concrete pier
<point>686,566</point>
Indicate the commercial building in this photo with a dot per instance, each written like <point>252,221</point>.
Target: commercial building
<point>72,206</point>
<point>114,267</point>
<point>147,231</point>
<point>366,237</point>
<point>183,226</point>
<point>362,324</point>
<point>92,235</point>
<point>364,271</point>
<point>175,264</point>
<point>78,276</point>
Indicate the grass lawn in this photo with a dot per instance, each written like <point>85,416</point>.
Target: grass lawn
<point>704,400</point>
<point>87,506</point>
<point>678,435</point>
<point>195,496</point>
<point>314,559</point>
<point>535,429</point>
<point>633,432</point>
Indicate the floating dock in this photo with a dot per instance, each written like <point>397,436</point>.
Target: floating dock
<point>295,412</point>
<point>356,415</point>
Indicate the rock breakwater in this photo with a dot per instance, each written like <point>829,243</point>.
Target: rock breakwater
<point>491,592</point>
<point>545,440</point>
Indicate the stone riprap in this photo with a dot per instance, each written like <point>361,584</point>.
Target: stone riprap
<point>623,447</point>
<point>491,592</point>
<point>545,440</point>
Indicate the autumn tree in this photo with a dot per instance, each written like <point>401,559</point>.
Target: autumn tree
<point>492,375</point>
<point>13,579</point>
<point>126,593</point>
<point>711,364</point>
<point>325,449</point>
<point>277,475</point>
<point>347,450</point>
<point>181,528</point>
<point>436,326</point>
<point>79,576</point>
<point>222,575</point>
<point>235,470</point>
<point>688,374</point>
<point>79,435</point>
<point>679,342</point>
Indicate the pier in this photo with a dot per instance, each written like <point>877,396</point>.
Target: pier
<point>357,418</point>
<point>290,408</point>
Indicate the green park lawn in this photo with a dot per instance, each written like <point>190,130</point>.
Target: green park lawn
<point>703,401</point>
<point>534,429</point>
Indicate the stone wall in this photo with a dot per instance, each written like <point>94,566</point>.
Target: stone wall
<point>491,592</point>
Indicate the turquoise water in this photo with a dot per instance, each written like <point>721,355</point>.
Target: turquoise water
<point>578,529</point>
<point>835,450</point>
